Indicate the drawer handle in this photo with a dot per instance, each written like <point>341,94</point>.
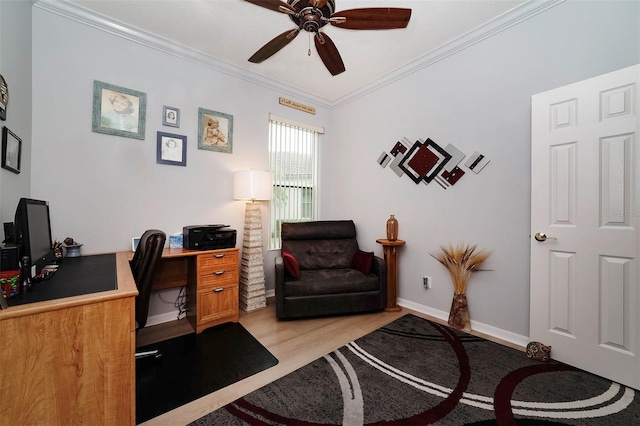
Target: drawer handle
<point>218,273</point>
<point>218,290</point>
<point>219,256</point>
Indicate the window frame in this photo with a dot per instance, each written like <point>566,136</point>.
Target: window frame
<point>293,130</point>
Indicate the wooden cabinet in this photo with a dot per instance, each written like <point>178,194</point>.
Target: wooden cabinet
<point>214,300</point>
<point>71,360</point>
<point>391,259</point>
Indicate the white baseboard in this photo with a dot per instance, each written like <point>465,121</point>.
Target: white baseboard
<point>498,333</point>
<point>173,315</point>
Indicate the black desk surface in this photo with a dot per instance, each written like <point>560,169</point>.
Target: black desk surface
<point>75,276</point>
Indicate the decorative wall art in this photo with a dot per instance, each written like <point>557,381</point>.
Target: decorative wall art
<point>118,111</point>
<point>425,161</point>
<point>384,159</point>
<point>477,162</point>
<point>11,150</point>
<point>4,98</point>
<point>170,116</point>
<point>172,149</point>
<point>215,131</point>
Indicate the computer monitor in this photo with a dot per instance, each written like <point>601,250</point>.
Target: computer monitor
<point>33,233</point>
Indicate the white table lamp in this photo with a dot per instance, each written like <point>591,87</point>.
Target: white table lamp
<point>252,185</point>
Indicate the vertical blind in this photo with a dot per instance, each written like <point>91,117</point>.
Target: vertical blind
<point>293,158</point>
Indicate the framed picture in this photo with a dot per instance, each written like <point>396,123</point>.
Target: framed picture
<point>11,150</point>
<point>215,131</point>
<point>172,149</point>
<point>170,116</point>
<point>118,111</point>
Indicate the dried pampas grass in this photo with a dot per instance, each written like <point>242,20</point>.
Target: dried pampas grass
<point>461,261</point>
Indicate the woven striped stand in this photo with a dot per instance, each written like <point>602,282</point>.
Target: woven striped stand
<point>252,284</point>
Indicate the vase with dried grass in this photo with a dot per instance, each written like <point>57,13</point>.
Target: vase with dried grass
<point>461,261</point>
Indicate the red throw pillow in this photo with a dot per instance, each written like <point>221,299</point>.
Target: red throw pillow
<point>362,261</point>
<point>291,264</point>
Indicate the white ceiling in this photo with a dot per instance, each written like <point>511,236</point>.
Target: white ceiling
<point>232,30</point>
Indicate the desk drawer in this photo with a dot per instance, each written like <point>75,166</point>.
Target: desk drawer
<point>218,260</point>
<point>223,276</point>
<point>217,303</point>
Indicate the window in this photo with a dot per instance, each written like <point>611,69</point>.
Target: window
<point>293,161</point>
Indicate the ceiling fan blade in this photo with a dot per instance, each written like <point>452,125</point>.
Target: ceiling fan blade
<point>329,53</point>
<point>277,43</point>
<point>372,18</point>
<point>318,3</point>
<point>275,5</point>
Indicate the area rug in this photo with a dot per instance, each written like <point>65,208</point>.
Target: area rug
<point>414,371</point>
<point>195,365</point>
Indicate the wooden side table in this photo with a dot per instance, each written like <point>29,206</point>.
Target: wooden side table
<point>391,258</point>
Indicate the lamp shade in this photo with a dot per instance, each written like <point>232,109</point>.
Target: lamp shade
<point>252,185</point>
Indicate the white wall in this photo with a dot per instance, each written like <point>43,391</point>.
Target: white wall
<point>106,189</point>
<point>15,67</point>
<point>477,99</point>
<point>103,190</point>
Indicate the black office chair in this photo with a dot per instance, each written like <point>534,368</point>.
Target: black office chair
<point>143,266</point>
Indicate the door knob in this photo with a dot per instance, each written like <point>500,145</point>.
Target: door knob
<point>541,236</point>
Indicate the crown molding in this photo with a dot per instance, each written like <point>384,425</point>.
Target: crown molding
<point>100,22</point>
<point>500,23</point>
<point>508,19</point>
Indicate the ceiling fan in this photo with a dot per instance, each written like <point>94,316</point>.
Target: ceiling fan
<point>311,15</point>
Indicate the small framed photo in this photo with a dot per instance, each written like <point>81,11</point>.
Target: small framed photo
<point>11,150</point>
<point>170,116</point>
<point>215,131</point>
<point>118,111</point>
<point>172,149</point>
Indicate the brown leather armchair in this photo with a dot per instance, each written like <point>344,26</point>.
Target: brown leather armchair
<point>327,283</point>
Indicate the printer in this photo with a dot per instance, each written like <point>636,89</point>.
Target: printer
<point>208,237</point>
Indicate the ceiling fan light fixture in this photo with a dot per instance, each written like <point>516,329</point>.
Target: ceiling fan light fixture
<point>312,15</point>
<point>309,19</point>
<point>311,26</point>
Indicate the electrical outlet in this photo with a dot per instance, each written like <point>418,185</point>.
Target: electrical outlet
<point>426,282</point>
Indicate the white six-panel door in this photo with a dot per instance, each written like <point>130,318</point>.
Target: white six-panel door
<point>585,199</point>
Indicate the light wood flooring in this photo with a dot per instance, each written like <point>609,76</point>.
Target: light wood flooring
<point>295,343</point>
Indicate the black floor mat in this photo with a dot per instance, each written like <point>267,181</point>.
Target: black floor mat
<point>195,365</point>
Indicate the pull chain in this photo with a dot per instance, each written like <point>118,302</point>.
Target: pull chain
<point>309,51</point>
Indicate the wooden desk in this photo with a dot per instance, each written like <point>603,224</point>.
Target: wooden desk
<point>71,360</point>
<point>211,277</point>
<point>391,258</point>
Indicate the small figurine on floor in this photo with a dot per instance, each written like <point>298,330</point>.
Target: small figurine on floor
<point>539,352</point>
